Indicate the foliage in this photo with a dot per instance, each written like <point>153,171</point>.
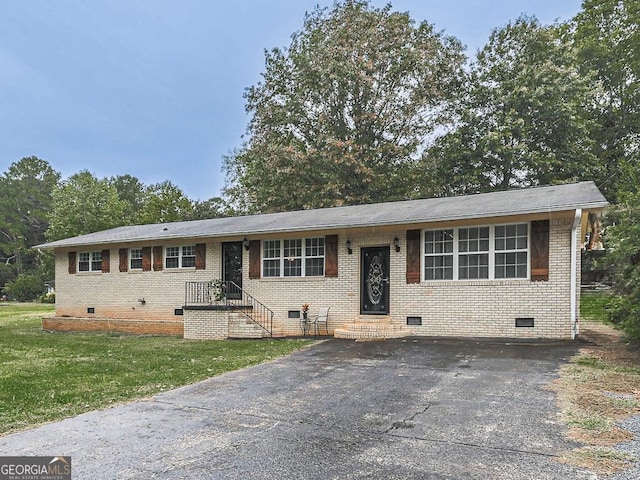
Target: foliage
<point>623,244</point>
<point>26,287</point>
<point>165,202</point>
<point>215,207</point>
<point>607,40</point>
<point>218,289</point>
<point>132,192</point>
<point>49,297</point>
<point>521,119</point>
<point>48,376</point>
<point>25,198</point>
<point>84,204</point>
<point>344,112</point>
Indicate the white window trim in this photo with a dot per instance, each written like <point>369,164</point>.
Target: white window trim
<point>91,260</point>
<point>131,258</point>
<point>180,257</point>
<point>282,258</point>
<point>492,254</point>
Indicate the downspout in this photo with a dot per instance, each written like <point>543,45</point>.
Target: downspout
<point>575,327</point>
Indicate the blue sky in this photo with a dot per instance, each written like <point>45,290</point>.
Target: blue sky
<point>154,88</point>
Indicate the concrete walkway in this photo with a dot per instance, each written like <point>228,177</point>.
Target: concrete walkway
<point>399,409</point>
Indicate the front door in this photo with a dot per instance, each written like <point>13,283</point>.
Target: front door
<point>232,268</point>
<point>374,281</point>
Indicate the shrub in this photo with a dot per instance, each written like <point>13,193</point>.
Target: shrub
<point>623,243</point>
<point>26,287</point>
<point>49,297</point>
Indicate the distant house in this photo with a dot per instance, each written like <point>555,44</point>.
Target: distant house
<point>502,264</point>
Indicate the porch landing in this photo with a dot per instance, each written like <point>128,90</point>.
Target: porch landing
<point>366,328</point>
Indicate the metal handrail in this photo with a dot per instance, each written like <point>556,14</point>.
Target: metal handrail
<point>205,293</point>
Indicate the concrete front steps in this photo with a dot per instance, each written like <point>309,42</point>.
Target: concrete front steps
<point>241,327</point>
<point>372,329</point>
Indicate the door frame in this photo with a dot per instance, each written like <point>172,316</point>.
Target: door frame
<point>225,278</point>
<point>386,296</point>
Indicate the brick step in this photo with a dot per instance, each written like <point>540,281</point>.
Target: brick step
<point>374,330</point>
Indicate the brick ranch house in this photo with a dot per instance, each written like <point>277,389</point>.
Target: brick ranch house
<point>503,264</point>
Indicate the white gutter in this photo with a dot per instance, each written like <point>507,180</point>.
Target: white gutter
<point>575,327</point>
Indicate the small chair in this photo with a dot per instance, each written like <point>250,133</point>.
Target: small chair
<point>321,317</point>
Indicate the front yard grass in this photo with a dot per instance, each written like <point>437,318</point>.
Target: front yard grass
<point>598,388</point>
<point>49,376</point>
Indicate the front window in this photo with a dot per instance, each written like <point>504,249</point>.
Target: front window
<point>475,253</point>
<point>438,248</point>
<point>300,257</point>
<point>511,244</point>
<point>90,262</point>
<point>180,257</point>
<point>135,259</point>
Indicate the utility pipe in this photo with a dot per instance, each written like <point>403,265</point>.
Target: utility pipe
<point>575,327</point>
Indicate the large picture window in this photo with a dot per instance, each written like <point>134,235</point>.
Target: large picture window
<point>180,257</point>
<point>90,262</point>
<point>300,257</point>
<point>476,253</point>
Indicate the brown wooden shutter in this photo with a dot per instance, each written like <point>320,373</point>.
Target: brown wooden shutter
<point>123,255</point>
<point>201,256</point>
<point>540,251</point>
<point>72,263</point>
<point>146,259</point>
<point>106,261</point>
<point>413,256</point>
<point>157,258</point>
<point>254,259</point>
<point>331,256</point>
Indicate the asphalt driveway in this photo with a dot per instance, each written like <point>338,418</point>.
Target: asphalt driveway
<point>399,409</point>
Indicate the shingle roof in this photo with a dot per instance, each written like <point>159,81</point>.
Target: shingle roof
<point>555,198</point>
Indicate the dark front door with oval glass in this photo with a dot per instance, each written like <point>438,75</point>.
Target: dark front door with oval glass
<point>232,268</point>
<point>374,281</point>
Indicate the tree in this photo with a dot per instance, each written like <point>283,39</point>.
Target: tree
<point>26,287</point>
<point>132,192</point>
<point>84,204</point>
<point>215,207</point>
<point>521,122</point>
<point>25,198</point>
<point>165,202</point>
<point>623,254</point>
<point>344,112</point>
<point>607,39</point>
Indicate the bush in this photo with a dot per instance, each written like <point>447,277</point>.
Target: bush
<point>623,243</point>
<point>26,287</point>
<point>49,297</point>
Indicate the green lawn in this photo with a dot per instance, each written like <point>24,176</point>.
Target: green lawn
<point>593,305</point>
<point>48,376</point>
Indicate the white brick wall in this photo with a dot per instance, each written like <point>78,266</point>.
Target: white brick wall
<point>461,308</point>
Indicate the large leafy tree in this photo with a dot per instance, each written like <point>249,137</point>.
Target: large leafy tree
<point>84,204</point>
<point>607,39</point>
<point>344,112</point>
<point>25,198</point>
<point>133,193</point>
<point>623,252</point>
<point>521,116</point>
<point>165,202</point>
